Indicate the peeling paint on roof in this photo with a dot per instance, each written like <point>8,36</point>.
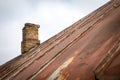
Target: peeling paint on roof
<point>58,71</point>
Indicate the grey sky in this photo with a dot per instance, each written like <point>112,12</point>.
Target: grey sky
<point>52,15</point>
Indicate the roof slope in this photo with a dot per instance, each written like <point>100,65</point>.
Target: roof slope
<point>81,52</point>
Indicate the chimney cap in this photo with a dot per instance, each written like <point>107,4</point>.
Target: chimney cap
<point>31,25</point>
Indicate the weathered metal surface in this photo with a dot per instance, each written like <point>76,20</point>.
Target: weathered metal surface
<point>87,50</point>
<point>109,69</point>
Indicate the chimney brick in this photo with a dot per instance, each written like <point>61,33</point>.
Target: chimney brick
<point>30,37</point>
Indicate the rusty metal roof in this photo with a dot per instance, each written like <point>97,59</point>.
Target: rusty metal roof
<point>87,50</point>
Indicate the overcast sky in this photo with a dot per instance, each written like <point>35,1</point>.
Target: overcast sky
<point>52,15</point>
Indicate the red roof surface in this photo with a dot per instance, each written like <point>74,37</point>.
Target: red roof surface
<point>87,50</point>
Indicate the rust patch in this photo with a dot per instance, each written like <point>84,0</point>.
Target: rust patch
<point>58,71</point>
<point>78,78</point>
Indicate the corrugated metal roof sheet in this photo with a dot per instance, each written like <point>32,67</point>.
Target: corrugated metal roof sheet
<point>87,50</point>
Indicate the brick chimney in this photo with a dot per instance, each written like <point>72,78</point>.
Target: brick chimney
<point>30,37</point>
